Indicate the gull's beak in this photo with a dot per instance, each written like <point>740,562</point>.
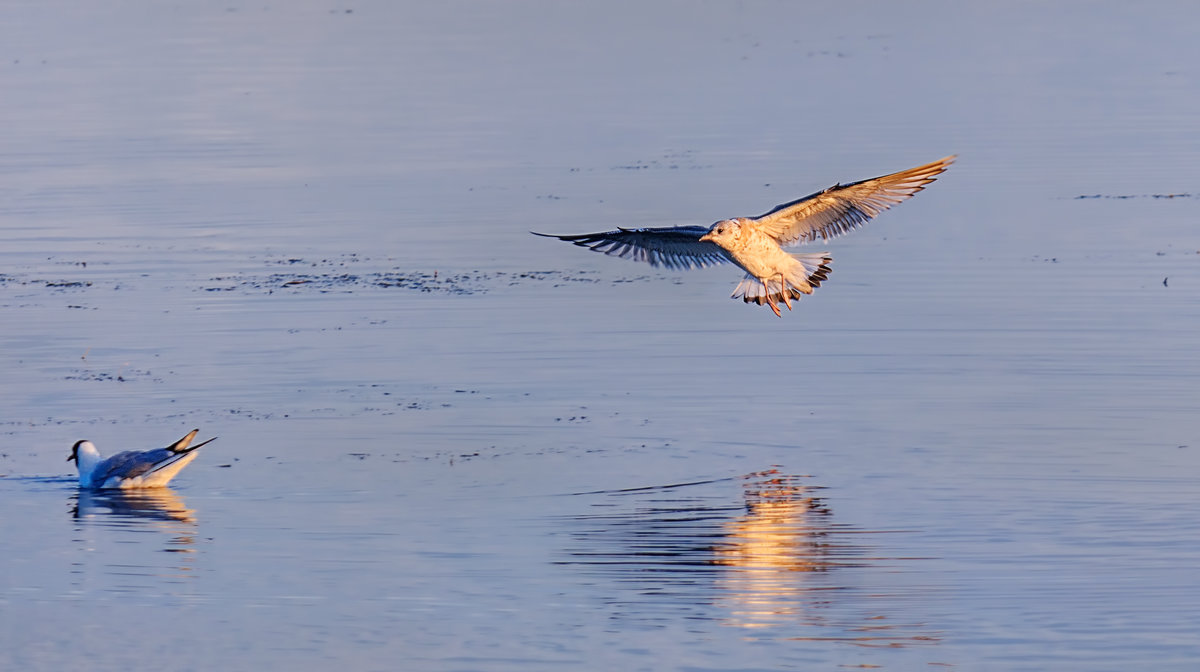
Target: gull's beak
<point>707,236</point>
<point>71,457</point>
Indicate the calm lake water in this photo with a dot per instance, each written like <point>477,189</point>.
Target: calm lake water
<point>448,445</point>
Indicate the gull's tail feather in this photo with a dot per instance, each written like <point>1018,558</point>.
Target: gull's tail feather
<point>800,278</point>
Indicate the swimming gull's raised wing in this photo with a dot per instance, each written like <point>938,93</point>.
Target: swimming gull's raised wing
<point>845,207</point>
<point>675,247</point>
<point>134,463</point>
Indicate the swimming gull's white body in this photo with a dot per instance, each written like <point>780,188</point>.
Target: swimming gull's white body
<point>133,468</point>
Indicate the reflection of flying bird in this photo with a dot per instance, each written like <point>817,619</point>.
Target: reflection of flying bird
<point>132,468</point>
<point>755,244</point>
<point>785,536</point>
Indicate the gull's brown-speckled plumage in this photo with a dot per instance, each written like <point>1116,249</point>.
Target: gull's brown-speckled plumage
<point>755,244</point>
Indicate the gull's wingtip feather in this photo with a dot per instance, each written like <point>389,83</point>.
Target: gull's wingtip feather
<point>944,162</point>
<point>202,444</point>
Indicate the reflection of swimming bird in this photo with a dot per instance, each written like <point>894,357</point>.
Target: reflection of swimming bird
<point>132,468</point>
<point>755,244</point>
<point>124,515</point>
<point>152,505</point>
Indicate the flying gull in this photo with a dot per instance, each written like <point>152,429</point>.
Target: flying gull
<point>755,244</point>
<point>133,468</point>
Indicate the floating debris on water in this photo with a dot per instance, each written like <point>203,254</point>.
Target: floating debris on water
<point>122,376</point>
<point>330,276</point>
<point>427,282</point>
<point>1123,197</point>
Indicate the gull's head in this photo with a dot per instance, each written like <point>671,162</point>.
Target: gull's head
<point>724,232</point>
<point>85,446</point>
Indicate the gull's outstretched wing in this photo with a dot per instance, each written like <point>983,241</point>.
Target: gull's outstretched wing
<point>675,247</point>
<point>844,207</point>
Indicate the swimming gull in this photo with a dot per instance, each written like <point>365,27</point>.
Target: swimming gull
<point>755,244</point>
<point>133,468</point>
